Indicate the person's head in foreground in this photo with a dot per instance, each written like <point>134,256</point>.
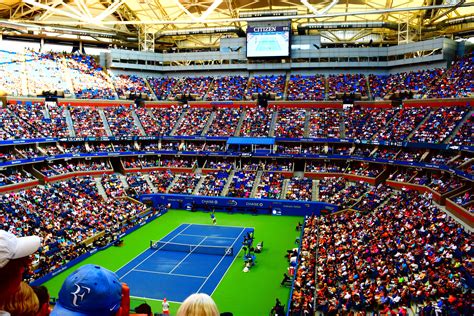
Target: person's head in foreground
<point>91,290</point>
<point>23,302</point>
<point>43,298</point>
<point>198,304</point>
<point>14,260</point>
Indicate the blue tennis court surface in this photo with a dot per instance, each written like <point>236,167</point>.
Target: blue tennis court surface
<point>157,273</point>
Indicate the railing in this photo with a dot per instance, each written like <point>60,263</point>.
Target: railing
<point>288,307</point>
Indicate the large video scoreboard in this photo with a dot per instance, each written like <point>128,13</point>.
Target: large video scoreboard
<point>268,41</point>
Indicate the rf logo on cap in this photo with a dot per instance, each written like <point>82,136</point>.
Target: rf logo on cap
<point>79,293</point>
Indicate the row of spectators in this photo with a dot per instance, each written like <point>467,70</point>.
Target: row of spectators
<point>225,164</point>
<point>307,87</point>
<point>439,184</point>
<point>365,123</point>
<point>228,88</point>
<point>11,79</point>
<point>64,215</point>
<point>332,190</point>
<point>257,122</point>
<point>362,169</point>
<point>158,121</point>
<point>38,121</point>
<point>58,168</point>
<point>325,123</point>
<point>127,85</point>
<point>15,176</point>
<point>299,189</point>
<point>403,176</point>
<point>149,162</point>
<point>87,122</point>
<point>194,122</point>
<point>347,83</point>
<point>113,186</point>
<point>271,84</point>
<point>121,122</point>
<point>225,122</point>
<point>457,81</point>
<point>290,123</point>
<point>344,194</point>
<point>405,252</point>
<point>184,183</point>
<point>161,180</point>
<point>439,125</point>
<point>82,74</point>
<point>416,82</point>
<point>137,185</point>
<point>88,78</point>
<point>242,184</point>
<point>213,183</point>
<point>270,186</point>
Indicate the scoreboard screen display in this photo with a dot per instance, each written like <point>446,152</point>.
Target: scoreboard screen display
<point>268,41</point>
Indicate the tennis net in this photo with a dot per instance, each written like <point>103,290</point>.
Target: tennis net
<point>203,249</point>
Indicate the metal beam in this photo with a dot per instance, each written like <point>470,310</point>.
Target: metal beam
<point>82,5</point>
<point>55,10</point>
<point>45,15</point>
<point>316,11</point>
<point>108,11</point>
<point>211,9</point>
<point>447,11</point>
<point>194,20</point>
<point>146,39</point>
<point>178,3</point>
<point>20,11</point>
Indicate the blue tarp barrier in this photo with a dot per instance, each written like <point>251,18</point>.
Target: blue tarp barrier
<point>251,141</point>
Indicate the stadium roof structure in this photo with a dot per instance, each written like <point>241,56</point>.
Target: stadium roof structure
<point>202,23</point>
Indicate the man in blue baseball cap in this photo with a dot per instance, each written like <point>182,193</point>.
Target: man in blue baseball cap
<point>91,290</point>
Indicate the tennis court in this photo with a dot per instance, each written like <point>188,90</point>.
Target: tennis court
<point>192,258</point>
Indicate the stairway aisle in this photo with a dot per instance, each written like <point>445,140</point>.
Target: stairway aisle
<point>256,183</point>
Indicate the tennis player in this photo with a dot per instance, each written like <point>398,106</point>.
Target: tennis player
<point>213,218</point>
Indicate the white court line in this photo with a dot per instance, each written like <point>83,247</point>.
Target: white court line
<point>153,299</point>
<point>222,278</point>
<point>145,250</point>
<point>168,273</point>
<point>190,253</point>
<point>123,276</point>
<point>191,235</point>
<point>223,257</point>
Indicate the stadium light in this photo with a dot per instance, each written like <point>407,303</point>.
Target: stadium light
<point>203,30</point>
<point>267,13</point>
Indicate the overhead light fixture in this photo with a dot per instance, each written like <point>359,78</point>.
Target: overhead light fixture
<point>267,13</point>
<point>201,30</point>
